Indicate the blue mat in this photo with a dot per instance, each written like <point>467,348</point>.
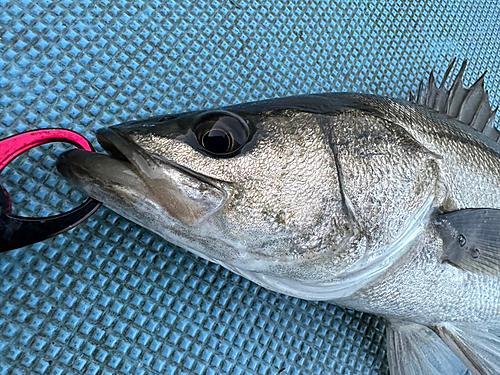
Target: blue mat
<point>109,297</point>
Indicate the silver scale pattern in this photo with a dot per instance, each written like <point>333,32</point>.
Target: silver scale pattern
<point>110,297</point>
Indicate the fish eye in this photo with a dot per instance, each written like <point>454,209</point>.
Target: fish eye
<point>221,133</point>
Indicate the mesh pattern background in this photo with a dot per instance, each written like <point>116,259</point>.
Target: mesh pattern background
<point>110,297</point>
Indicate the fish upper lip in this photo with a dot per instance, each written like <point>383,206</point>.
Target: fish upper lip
<point>118,146</point>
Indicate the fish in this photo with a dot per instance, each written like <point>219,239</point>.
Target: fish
<point>382,205</point>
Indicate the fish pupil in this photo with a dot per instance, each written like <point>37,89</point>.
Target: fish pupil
<point>221,134</point>
<point>217,141</point>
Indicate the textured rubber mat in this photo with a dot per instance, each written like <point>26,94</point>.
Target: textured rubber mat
<point>109,297</point>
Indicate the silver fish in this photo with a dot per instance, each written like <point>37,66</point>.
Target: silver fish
<point>386,206</point>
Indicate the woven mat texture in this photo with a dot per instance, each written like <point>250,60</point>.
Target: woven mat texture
<point>109,297</point>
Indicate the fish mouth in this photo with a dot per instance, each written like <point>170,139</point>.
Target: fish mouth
<point>138,184</point>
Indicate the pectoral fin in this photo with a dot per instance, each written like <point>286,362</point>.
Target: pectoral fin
<point>413,349</point>
<point>471,239</point>
<point>477,348</point>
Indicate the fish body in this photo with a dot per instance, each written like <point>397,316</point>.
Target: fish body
<point>381,205</point>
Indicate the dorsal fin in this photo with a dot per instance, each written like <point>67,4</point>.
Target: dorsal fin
<point>468,105</point>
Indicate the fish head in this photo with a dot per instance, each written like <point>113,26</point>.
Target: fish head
<point>254,189</point>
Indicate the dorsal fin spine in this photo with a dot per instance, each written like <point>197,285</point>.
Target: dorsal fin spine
<point>452,108</point>
<point>471,105</point>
